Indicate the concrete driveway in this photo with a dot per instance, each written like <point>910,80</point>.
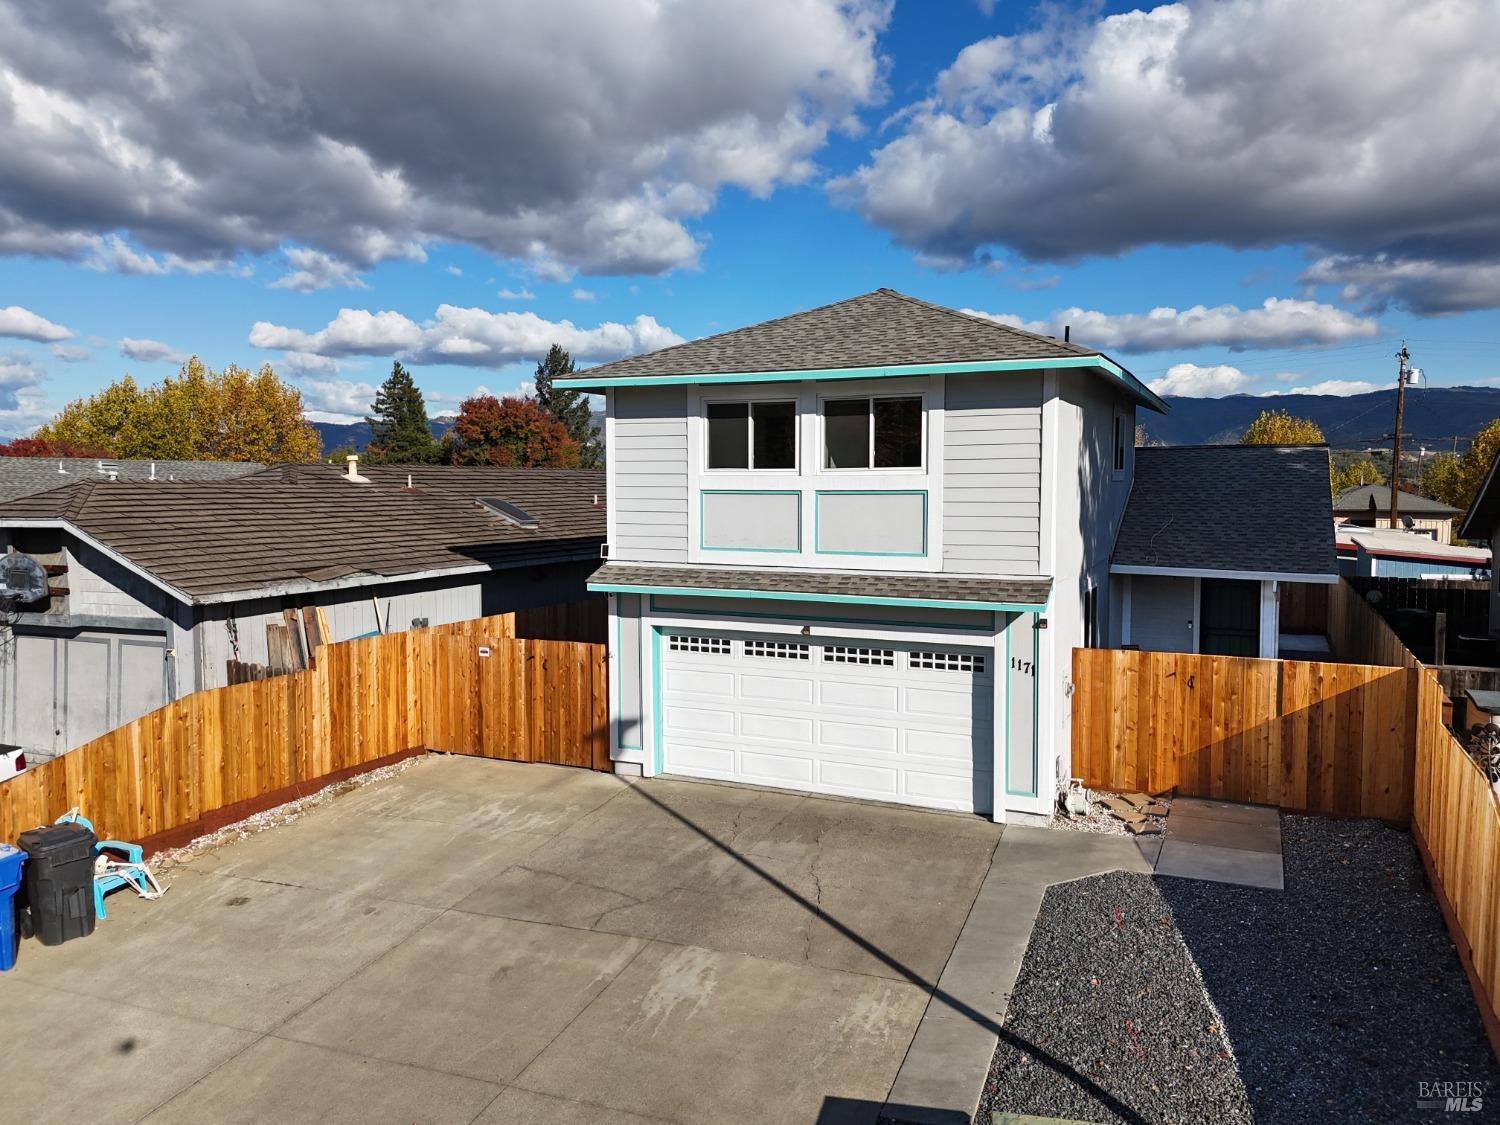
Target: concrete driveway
<point>476,941</point>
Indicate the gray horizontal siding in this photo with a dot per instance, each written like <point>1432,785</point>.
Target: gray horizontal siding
<point>649,459</point>
<point>992,473</point>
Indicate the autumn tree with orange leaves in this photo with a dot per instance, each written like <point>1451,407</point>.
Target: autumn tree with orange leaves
<point>510,432</point>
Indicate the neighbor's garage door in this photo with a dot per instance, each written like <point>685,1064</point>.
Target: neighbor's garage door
<point>903,723</point>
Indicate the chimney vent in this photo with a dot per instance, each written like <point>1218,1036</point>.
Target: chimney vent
<point>353,474</point>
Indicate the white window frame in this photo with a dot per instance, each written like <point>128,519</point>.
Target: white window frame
<point>870,397</point>
<point>749,403</point>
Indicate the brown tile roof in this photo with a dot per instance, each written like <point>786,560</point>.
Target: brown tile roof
<point>842,585</point>
<point>21,476</point>
<point>878,329</point>
<point>293,524</point>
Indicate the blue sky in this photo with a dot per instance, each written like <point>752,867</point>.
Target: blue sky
<point>327,190</point>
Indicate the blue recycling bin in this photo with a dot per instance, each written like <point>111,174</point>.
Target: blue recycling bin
<point>11,859</point>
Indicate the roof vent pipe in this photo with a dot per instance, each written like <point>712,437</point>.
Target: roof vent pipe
<point>353,473</point>
<point>153,470</point>
<point>1067,333</point>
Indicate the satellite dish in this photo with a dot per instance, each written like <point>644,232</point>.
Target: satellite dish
<point>22,579</point>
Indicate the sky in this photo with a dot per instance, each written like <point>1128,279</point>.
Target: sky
<point>1207,192</point>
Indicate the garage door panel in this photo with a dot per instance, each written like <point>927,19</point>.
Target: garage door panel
<point>954,703</point>
<point>698,682</point>
<point>700,720</point>
<point>697,758</point>
<point>784,689</point>
<point>780,728</point>
<point>865,697</point>
<point>863,779</point>
<point>776,769</point>
<point>859,736</point>
<point>945,789</point>
<point>950,745</point>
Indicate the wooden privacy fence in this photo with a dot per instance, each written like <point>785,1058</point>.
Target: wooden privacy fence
<point>1363,739</point>
<point>1324,738</point>
<point>213,756</point>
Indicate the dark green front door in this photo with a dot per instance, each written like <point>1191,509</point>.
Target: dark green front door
<point>1229,616</point>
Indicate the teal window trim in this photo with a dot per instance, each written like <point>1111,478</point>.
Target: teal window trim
<point>618,680</point>
<point>1100,363</point>
<point>1036,679</point>
<point>656,712</point>
<point>989,627</point>
<point>788,596</point>
<point>818,513</point>
<point>797,492</point>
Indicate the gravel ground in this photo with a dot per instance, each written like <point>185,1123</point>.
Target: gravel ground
<point>1146,999</point>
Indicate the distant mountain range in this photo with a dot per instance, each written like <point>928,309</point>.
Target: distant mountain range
<point>1435,416</point>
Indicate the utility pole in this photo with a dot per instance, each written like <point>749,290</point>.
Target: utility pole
<point>1402,374</point>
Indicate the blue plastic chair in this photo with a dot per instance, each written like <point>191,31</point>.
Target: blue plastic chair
<point>103,884</point>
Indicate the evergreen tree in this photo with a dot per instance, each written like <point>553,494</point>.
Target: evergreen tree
<point>399,430</point>
<point>571,408</point>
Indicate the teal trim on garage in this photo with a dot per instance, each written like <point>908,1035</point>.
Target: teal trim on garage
<point>990,628</point>
<point>1098,363</point>
<point>656,714</point>
<point>1036,680</point>
<point>839,599</point>
<point>620,655</point>
<point>818,513</point>
<point>797,492</point>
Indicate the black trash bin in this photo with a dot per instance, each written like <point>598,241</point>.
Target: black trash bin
<point>59,882</point>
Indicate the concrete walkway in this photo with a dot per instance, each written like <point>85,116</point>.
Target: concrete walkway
<point>476,941</point>
<point>943,1074</point>
<point>1223,842</point>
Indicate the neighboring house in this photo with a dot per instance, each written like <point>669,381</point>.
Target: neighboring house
<point>158,585</point>
<point>851,551</point>
<point>1383,553</point>
<point>1209,535</point>
<point>1482,522</point>
<point>1369,505</point>
<point>22,476</point>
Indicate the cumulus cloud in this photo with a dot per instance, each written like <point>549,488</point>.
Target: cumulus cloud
<point>466,336</point>
<point>522,294</point>
<point>1277,323</point>
<point>453,271</point>
<point>1335,387</point>
<point>314,269</point>
<point>1188,380</point>
<point>584,295</point>
<point>335,400</point>
<point>71,353</point>
<point>23,324</point>
<point>23,400</point>
<point>150,351</point>
<point>1229,123</point>
<point>580,135</point>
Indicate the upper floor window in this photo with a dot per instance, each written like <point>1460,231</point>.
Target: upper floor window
<point>1118,465</point>
<point>873,432</point>
<point>752,435</point>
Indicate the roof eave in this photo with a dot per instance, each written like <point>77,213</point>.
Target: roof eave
<point>1101,363</point>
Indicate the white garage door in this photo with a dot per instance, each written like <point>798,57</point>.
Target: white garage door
<point>907,723</point>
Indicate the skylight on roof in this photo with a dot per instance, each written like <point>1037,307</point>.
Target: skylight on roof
<point>511,513</point>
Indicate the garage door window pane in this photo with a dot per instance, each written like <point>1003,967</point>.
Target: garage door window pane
<point>728,435</point>
<point>898,433</point>
<point>846,434</point>
<point>775,430</point>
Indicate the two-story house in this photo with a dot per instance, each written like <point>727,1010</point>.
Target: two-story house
<point>850,551</point>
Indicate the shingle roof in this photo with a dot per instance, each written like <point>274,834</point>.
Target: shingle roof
<point>1377,498</point>
<point>1484,511</point>
<point>1251,508</point>
<point>21,476</point>
<point>843,585</point>
<point>306,524</point>
<point>876,329</point>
